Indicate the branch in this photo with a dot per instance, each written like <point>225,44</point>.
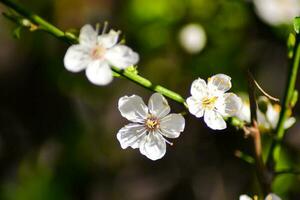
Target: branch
<point>261,170</point>
<point>41,24</point>
<point>72,39</point>
<point>262,90</point>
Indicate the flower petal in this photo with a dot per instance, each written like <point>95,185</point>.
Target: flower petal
<point>88,35</point>
<point>158,105</point>
<point>289,122</point>
<point>131,135</point>
<point>121,56</point>
<point>214,120</point>
<point>272,196</point>
<point>244,113</point>
<point>199,88</point>
<point>172,125</point>
<point>99,73</point>
<point>229,105</point>
<point>133,108</point>
<point>77,58</point>
<point>108,40</point>
<point>245,197</point>
<point>195,106</point>
<point>219,82</point>
<point>153,146</point>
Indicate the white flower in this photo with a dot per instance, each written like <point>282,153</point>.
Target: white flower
<point>245,115</point>
<point>211,100</point>
<point>192,38</point>
<point>270,196</point>
<point>272,117</point>
<point>277,12</point>
<point>267,120</point>
<point>149,125</point>
<point>96,53</point>
<point>245,197</point>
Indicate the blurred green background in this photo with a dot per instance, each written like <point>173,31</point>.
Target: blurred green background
<point>58,131</point>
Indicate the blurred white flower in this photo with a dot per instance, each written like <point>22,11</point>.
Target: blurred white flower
<point>192,38</point>
<point>149,125</point>
<point>96,53</point>
<point>245,114</point>
<point>270,196</point>
<point>272,117</point>
<point>245,197</point>
<point>277,12</point>
<point>266,120</point>
<point>211,100</point>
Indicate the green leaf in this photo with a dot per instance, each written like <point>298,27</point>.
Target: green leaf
<point>297,24</point>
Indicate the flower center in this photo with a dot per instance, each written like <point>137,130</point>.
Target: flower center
<point>152,123</point>
<point>98,52</point>
<point>209,102</point>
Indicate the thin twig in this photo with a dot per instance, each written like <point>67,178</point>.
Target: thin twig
<point>262,91</point>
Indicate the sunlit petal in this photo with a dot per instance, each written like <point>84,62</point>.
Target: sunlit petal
<point>131,135</point>
<point>77,58</point>
<point>88,36</point>
<point>195,106</point>
<point>121,56</point>
<point>158,105</point>
<point>108,40</point>
<point>199,88</point>
<point>214,120</point>
<point>272,196</point>
<point>229,105</point>
<point>153,146</point>
<point>99,73</point>
<point>133,108</point>
<point>219,82</point>
<point>172,125</point>
<point>245,197</point>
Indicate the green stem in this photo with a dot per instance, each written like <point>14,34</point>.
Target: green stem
<point>72,39</point>
<point>149,85</point>
<point>69,37</point>
<point>40,22</point>
<point>286,103</point>
<point>290,88</point>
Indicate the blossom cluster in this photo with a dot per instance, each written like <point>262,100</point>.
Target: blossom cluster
<point>152,125</point>
<point>267,114</point>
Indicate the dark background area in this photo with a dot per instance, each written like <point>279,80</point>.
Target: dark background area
<point>58,131</point>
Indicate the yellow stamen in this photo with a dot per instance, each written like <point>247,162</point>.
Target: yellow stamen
<point>152,123</point>
<point>209,102</point>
